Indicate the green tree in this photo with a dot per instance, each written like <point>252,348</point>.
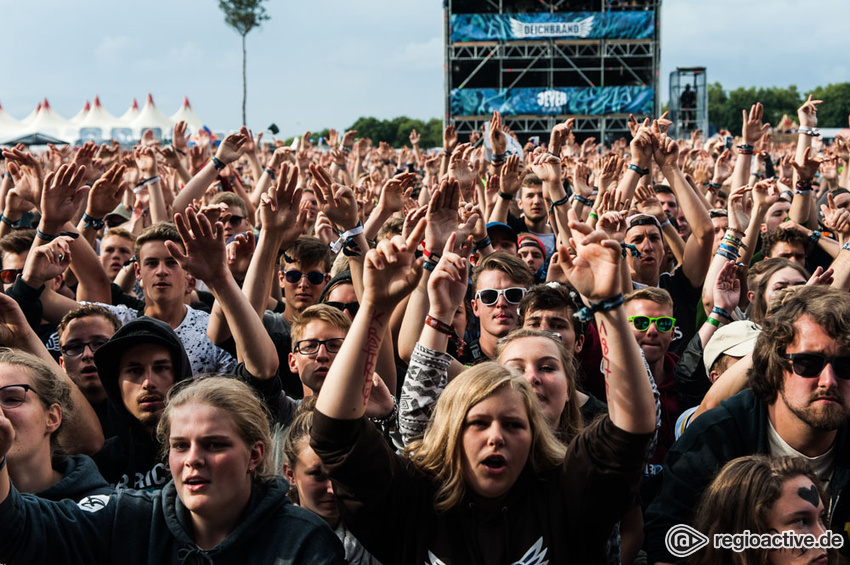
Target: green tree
<point>243,16</point>
<point>836,104</point>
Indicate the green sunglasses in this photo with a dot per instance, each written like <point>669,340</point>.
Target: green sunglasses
<point>662,323</point>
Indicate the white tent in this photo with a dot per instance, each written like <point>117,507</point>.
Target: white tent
<point>31,116</point>
<point>80,116</point>
<point>9,126</point>
<point>50,123</point>
<point>188,115</point>
<point>150,118</point>
<point>100,125</point>
<point>131,114</point>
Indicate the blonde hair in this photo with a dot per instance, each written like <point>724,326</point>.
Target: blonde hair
<point>235,398</point>
<point>439,452</point>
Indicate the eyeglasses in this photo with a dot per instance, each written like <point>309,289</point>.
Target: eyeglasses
<point>313,277</point>
<point>234,220</point>
<point>310,347</point>
<point>663,323</point>
<point>489,296</point>
<point>352,307</point>
<point>12,396</point>
<point>8,276</point>
<point>76,348</point>
<point>810,365</point>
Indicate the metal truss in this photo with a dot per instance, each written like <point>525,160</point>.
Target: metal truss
<point>607,128</point>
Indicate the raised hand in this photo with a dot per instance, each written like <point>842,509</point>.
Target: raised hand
<point>727,287</point>
<point>107,192</point>
<point>62,194</point>
<point>391,271</point>
<point>610,175</point>
<point>239,253</point>
<point>807,169</point>
<point>581,180</point>
<point>723,167</point>
<point>559,135</point>
<point>449,139</point>
<point>348,138</point>
<point>594,271</point>
<point>498,139</point>
<point>739,219</point>
<point>47,261</point>
<point>442,216</point>
<point>666,152</point>
<point>146,160</point>
<point>765,194</point>
<point>333,138</point>
<point>836,219</point>
<point>807,114</point>
<point>752,129</point>
<point>647,202</point>
<point>395,191</point>
<point>461,171</point>
<point>26,172</point>
<point>547,167</point>
<point>335,200</point>
<point>231,147</point>
<point>641,146</point>
<point>280,207</point>
<point>179,138</point>
<point>205,255</point>
<point>509,175</point>
<point>447,284</point>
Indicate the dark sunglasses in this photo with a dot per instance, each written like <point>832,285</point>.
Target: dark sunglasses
<point>234,220</point>
<point>8,276</point>
<point>663,323</point>
<point>352,307</point>
<point>489,296</point>
<point>810,365</point>
<point>313,277</point>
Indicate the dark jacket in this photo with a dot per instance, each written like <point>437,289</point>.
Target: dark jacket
<point>736,428</point>
<point>80,478</point>
<point>131,459</point>
<point>142,528</point>
<point>563,515</point>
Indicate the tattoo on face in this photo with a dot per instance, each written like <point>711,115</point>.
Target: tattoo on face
<point>810,495</point>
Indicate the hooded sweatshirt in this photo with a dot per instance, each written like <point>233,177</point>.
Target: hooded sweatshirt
<point>131,459</point>
<point>80,478</point>
<point>154,528</point>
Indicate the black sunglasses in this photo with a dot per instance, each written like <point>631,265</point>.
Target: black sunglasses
<point>234,220</point>
<point>489,296</point>
<point>313,277</point>
<point>8,276</point>
<point>810,365</point>
<point>352,307</point>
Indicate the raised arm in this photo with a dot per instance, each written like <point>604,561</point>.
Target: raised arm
<point>204,259</point>
<point>390,274</point>
<point>594,272</point>
<point>228,151</point>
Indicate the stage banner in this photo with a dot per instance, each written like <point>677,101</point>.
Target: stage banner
<point>596,100</point>
<point>569,25</point>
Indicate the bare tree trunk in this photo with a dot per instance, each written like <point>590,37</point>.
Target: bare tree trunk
<point>244,83</point>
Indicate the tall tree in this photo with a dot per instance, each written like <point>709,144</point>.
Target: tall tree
<point>243,16</point>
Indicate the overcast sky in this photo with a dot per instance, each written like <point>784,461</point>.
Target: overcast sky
<point>325,63</point>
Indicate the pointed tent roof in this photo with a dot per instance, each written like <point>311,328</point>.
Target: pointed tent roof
<point>131,114</point>
<point>50,123</point>
<point>79,116</point>
<point>9,126</point>
<point>31,116</point>
<point>99,117</point>
<point>151,117</point>
<point>188,115</point>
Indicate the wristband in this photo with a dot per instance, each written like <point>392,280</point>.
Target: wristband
<point>345,236</point>
<point>217,163</point>
<point>638,170</point>
<point>499,157</point>
<point>815,236</point>
<point>813,132</point>
<point>441,327</point>
<point>746,149</point>
<point>714,186</point>
<point>3,463</point>
<point>713,321</point>
<point>429,266</point>
<point>179,150</point>
<point>726,255</point>
<point>270,172</point>
<point>846,246</point>
<point>560,202</point>
<point>483,243</point>
<point>593,214</point>
<point>665,223</point>
<point>432,257</point>
<point>46,237</point>
<point>10,223</point>
<point>384,421</point>
<point>94,223</point>
<point>582,199</point>
<point>721,312</point>
<point>586,313</point>
<point>506,196</point>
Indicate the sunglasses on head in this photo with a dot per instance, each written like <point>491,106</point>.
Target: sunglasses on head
<point>662,323</point>
<point>489,296</point>
<point>352,307</point>
<point>810,365</point>
<point>313,277</point>
<point>8,276</point>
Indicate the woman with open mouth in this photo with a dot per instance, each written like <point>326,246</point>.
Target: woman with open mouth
<point>223,505</point>
<point>489,482</point>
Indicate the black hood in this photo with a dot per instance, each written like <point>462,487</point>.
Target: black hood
<point>139,331</point>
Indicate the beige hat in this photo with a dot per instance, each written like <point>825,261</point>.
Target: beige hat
<point>735,339</point>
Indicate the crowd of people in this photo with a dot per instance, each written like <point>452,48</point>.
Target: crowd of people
<point>263,353</point>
